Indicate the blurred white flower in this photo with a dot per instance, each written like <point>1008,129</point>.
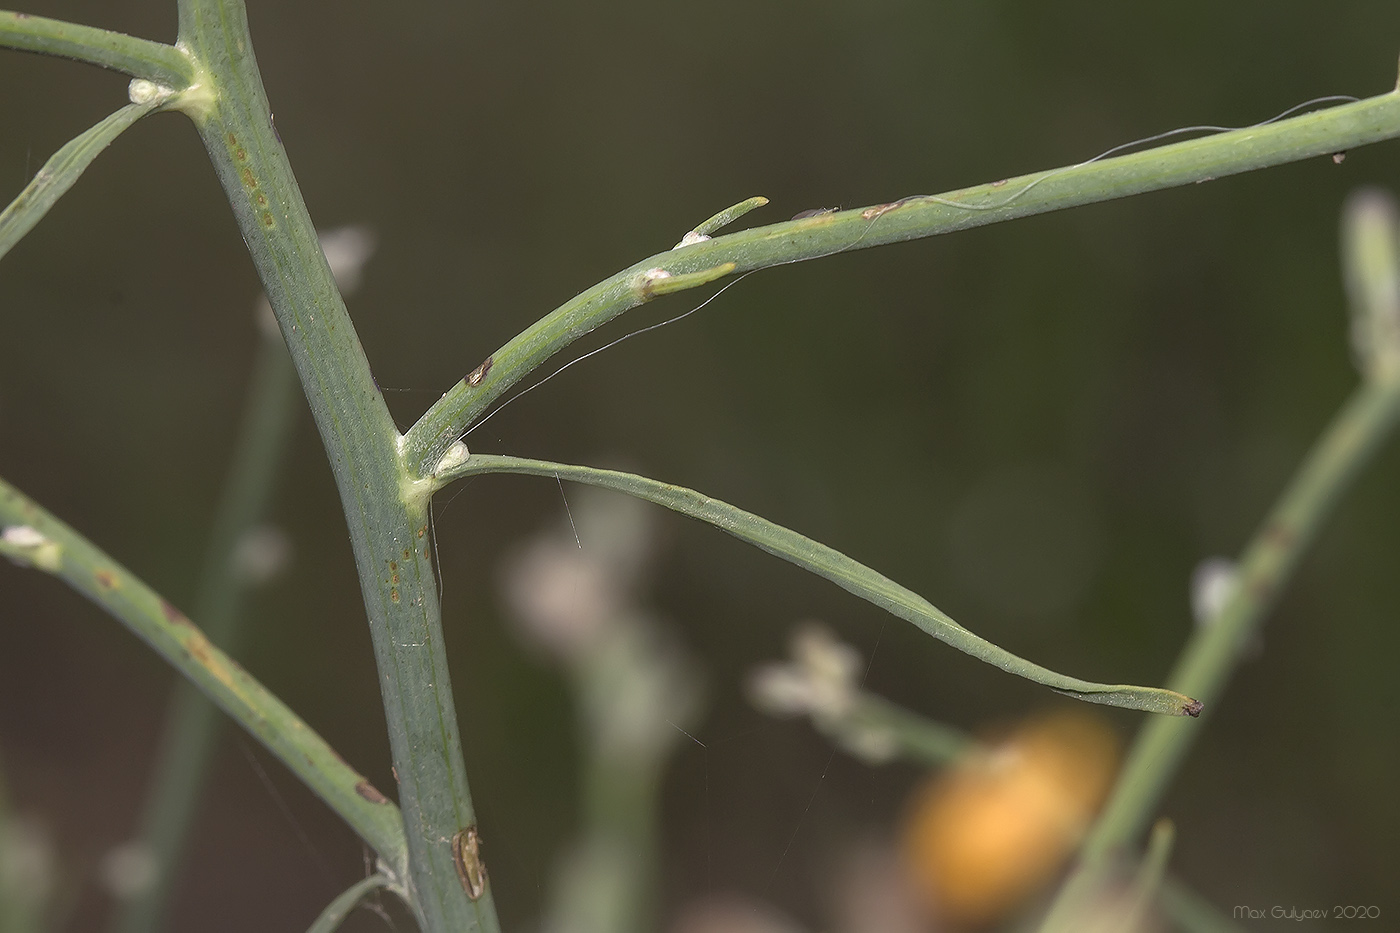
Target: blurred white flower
<point>1212,582</point>
<point>347,250</point>
<point>820,681</point>
<point>261,554</point>
<point>128,870</point>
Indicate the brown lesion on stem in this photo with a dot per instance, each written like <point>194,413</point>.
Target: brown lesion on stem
<point>466,855</point>
<point>369,792</point>
<point>475,377</point>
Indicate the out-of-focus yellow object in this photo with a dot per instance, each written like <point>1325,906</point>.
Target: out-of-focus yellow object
<point>989,830</point>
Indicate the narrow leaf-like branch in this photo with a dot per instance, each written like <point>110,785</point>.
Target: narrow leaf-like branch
<point>846,573</point>
<point>34,537</point>
<point>1197,160</point>
<point>61,172</point>
<point>140,58</point>
<point>337,910</point>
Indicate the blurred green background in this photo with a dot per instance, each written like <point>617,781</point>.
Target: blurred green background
<point>1041,426</point>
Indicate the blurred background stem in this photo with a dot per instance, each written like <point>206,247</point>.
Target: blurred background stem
<point>192,722</point>
<point>243,552</point>
<point>1346,446</point>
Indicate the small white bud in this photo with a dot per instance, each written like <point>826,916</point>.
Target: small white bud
<point>23,536</point>
<point>690,239</point>
<point>30,546</point>
<point>456,455</point>
<point>141,91</point>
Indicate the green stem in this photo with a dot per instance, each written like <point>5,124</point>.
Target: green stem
<point>1197,160</point>
<point>140,58</point>
<point>387,522</point>
<point>846,573</point>
<point>192,721</point>
<point>35,537</point>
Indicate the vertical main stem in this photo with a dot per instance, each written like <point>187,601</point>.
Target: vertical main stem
<point>388,530</point>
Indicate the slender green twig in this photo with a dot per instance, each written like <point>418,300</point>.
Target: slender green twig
<point>1302,137</point>
<point>912,737</point>
<point>388,528</point>
<point>1346,445</point>
<point>848,574</point>
<point>192,721</point>
<point>34,537</point>
<point>140,58</point>
<point>727,216</point>
<point>62,171</point>
<point>337,910</point>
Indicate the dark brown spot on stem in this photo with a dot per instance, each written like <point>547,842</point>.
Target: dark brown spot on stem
<point>107,580</point>
<point>371,793</point>
<point>1193,708</point>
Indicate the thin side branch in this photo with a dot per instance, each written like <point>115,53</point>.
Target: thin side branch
<point>32,536</point>
<point>140,58</point>
<point>1198,160</point>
